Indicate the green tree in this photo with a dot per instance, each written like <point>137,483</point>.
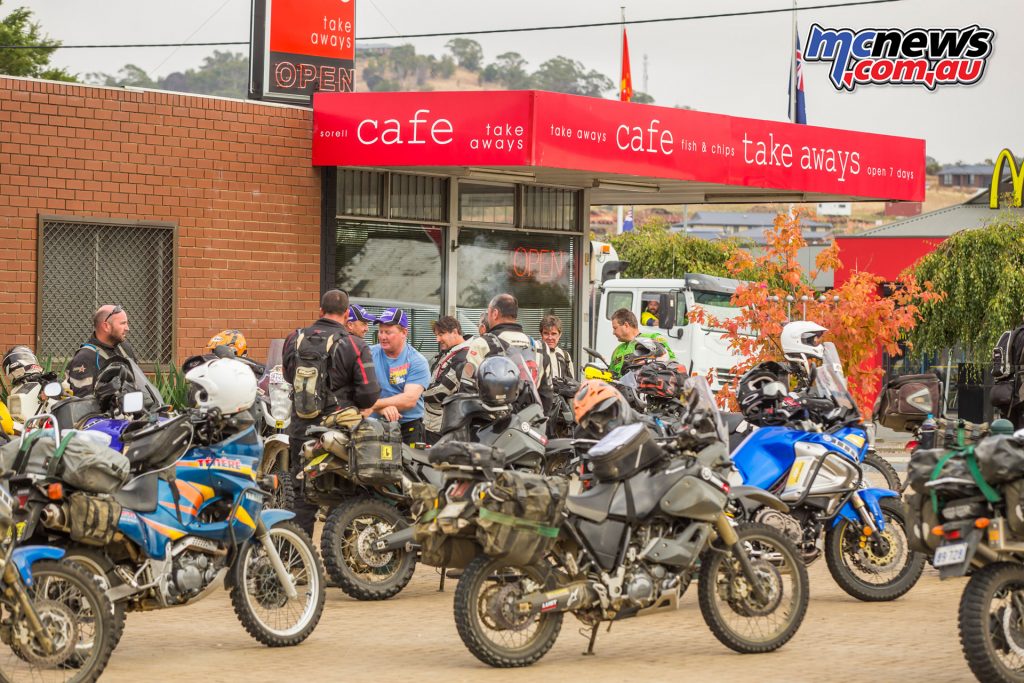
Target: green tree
<point>509,69</point>
<point>130,75</point>
<point>642,98</point>
<point>653,251</point>
<point>17,28</point>
<point>981,274</point>
<point>225,74</point>
<point>931,166</point>
<point>467,53</point>
<point>561,74</point>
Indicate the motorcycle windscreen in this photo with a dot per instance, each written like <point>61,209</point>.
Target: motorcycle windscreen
<point>829,381</point>
<point>702,411</point>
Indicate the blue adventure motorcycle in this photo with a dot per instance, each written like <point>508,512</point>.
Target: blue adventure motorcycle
<point>55,620</point>
<point>818,473</point>
<point>193,511</point>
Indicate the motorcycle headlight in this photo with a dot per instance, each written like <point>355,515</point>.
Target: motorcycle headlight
<point>280,401</point>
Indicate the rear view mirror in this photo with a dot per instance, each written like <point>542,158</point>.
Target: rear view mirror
<point>53,390</point>
<point>132,402</point>
<point>666,311</point>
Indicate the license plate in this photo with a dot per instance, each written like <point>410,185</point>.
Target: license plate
<point>950,554</point>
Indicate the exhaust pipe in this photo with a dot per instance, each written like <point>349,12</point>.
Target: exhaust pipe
<point>576,595</point>
<point>53,517</point>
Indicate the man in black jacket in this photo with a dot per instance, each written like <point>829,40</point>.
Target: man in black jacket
<point>351,381</point>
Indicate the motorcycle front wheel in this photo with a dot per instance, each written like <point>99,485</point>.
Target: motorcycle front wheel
<point>874,570</point>
<point>262,603</point>
<point>735,614</point>
<point>992,623</point>
<point>487,619</point>
<point>77,618</point>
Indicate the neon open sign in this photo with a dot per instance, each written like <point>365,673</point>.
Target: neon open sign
<point>538,264</point>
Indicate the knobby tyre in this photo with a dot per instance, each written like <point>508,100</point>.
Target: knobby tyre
<point>78,618</point>
<point>353,563</point>
<point>737,618</point>
<point>284,497</point>
<point>992,623</point>
<point>97,563</point>
<point>261,602</point>
<point>486,619</point>
<point>867,573</point>
<point>876,468</point>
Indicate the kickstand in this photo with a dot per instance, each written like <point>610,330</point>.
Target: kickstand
<point>590,645</point>
<point>440,586</point>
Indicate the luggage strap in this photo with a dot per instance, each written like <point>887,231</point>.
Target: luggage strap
<point>51,469</point>
<point>991,495</point>
<point>510,520</point>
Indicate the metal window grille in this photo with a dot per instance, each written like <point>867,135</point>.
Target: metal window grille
<point>84,264</point>
<point>360,193</point>
<point>418,197</point>
<point>551,208</point>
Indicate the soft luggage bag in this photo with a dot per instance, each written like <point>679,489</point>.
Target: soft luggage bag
<point>93,519</point>
<point>520,515</point>
<point>78,460</point>
<point>905,402</point>
<point>376,455</point>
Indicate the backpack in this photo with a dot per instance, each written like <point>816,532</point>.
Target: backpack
<point>311,391</point>
<point>1004,363</point>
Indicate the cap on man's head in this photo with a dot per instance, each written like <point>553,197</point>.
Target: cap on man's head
<point>393,316</point>
<point>357,312</point>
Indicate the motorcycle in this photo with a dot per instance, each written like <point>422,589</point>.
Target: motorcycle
<point>965,501</point>
<point>631,545</point>
<point>819,475</point>
<point>192,512</point>
<point>55,620</point>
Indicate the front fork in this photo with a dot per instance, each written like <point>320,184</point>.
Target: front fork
<point>14,586</point>
<point>870,524</point>
<point>283,577</point>
<point>729,536</point>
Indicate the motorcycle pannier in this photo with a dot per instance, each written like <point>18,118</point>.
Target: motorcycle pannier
<point>906,402</point>
<point>623,452</point>
<point>93,519</point>
<point>376,455</point>
<point>464,455</point>
<point>519,516</point>
<point>79,461</point>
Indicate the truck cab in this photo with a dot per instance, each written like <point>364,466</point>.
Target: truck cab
<point>697,347</point>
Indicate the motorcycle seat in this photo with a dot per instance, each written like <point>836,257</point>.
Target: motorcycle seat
<point>593,505</point>
<point>738,429</point>
<point>141,494</point>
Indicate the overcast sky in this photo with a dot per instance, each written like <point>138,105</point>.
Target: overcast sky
<point>735,65</point>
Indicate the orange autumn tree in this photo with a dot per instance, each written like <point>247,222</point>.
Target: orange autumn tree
<point>859,319</point>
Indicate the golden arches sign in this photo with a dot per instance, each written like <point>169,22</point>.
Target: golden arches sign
<point>1016,176</point>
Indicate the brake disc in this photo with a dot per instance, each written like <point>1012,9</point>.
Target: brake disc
<point>59,621</point>
<point>365,542</point>
<point>501,607</point>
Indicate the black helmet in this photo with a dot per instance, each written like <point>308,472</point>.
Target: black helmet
<point>20,365</point>
<point>645,350</point>
<point>760,390</point>
<point>497,381</point>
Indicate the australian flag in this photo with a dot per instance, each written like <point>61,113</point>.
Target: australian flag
<point>800,115</point>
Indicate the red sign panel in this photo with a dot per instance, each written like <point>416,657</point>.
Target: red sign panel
<point>307,46</point>
<point>527,128</point>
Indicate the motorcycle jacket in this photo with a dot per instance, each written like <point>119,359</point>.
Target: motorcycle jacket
<point>444,381</point>
<point>499,340</point>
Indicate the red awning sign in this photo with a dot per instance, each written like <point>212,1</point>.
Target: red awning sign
<point>542,129</point>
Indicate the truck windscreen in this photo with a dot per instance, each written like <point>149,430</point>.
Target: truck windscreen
<point>707,298</point>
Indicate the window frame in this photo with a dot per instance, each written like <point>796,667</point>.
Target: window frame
<point>41,221</point>
<point>609,309</point>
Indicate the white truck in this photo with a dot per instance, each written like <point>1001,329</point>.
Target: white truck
<point>697,347</point>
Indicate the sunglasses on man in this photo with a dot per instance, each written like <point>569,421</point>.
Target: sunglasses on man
<point>117,309</point>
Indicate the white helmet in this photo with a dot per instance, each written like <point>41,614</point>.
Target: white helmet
<point>225,384</point>
<point>801,341</point>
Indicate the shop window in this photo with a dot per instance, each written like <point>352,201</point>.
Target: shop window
<point>418,197</point>
<point>617,300</point>
<point>549,208</point>
<point>487,203</point>
<point>393,265</point>
<point>87,263</point>
<point>360,193</point>
<point>536,269</point>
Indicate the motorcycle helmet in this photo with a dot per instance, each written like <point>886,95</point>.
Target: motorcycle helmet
<point>497,381</point>
<point>19,365</point>
<point>600,406</point>
<point>801,341</point>
<point>223,384</point>
<point>661,380</point>
<point>231,338</point>
<point>645,350</point>
<point>116,377</point>
<point>760,390</point>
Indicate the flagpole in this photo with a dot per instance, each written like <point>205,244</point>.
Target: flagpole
<point>622,9</point>
<point>792,70</point>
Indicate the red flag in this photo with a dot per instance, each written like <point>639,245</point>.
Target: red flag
<point>626,83</point>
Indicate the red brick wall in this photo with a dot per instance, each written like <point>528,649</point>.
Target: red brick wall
<point>234,176</point>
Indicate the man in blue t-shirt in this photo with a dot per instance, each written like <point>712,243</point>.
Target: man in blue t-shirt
<point>403,374</point>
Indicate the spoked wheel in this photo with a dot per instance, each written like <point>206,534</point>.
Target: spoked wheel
<point>77,618</point>
<point>992,623</point>
<point>95,562</point>
<point>879,472</point>
<point>487,619</point>
<point>874,569</point>
<point>283,497</point>
<point>740,619</point>
<point>262,603</point>
<point>348,544</point>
